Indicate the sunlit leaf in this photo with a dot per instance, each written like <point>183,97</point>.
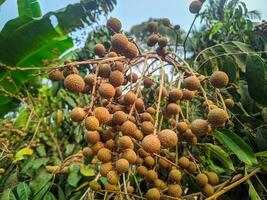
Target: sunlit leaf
<point>23,152</point>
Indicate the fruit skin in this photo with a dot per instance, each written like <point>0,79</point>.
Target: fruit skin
<point>141,171</point>
<point>106,90</point>
<point>104,70</point>
<point>174,190</point>
<point>119,42</point>
<point>152,26</point>
<point>172,109</point>
<point>102,114</point>
<point>199,127</point>
<point>149,161</point>
<point>130,189</point>
<point>112,54</point>
<point>175,176</point>
<point>166,22</point>
<point>77,114</point>
<point>128,128</point>
<point>114,24</point>
<point>74,83</point>
<point>182,127</point>
<point>113,177</point>
<point>129,155</point>
<point>163,163</point>
<point>147,127</point>
<point>90,79</point>
<point>152,40</point>
<point>192,168</point>
<point>152,194</point>
<point>99,49</point>
<point>151,176</point>
<point>94,185</point>
<point>202,179</point>
<point>130,98</point>
<point>97,146</point>
<point>91,123</point>
<point>151,144</point>
<point>122,165</point>
<point>105,168</point>
<point>160,184</point>
<point>148,82</point>
<point>175,95</point>
<point>104,155</point>
<point>213,178</point>
<point>195,6</point>
<point>229,103</point>
<point>188,95</point>
<point>219,79</point>
<point>139,104</point>
<point>217,117</point>
<point>168,138</point>
<point>163,92</point>
<point>56,75</point>
<point>87,152</point>
<point>162,42</point>
<point>131,51</point>
<point>91,137</point>
<point>146,117</point>
<point>119,117</point>
<point>183,162</point>
<point>132,77</point>
<point>116,78</point>
<point>125,142</point>
<point>208,190</point>
<point>192,83</point>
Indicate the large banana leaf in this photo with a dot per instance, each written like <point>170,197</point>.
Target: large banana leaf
<point>29,8</point>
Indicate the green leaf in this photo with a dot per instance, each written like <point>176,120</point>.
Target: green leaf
<point>23,191</point>
<point>2,1</point>
<point>261,154</point>
<point>237,145</point>
<point>87,170</point>
<point>30,8</point>
<point>22,118</point>
<point>74,176</point>
<point>7,195</point>
<point>40,183</point>
<point>221,155</point>
<point>21,153</point>
<point>252,192</point>
<point>256,74</point>
<point>37,163</point>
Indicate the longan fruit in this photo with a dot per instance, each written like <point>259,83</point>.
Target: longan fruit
<point>146,117</point>
<point>116,78</point>
<point>217,117</point>
<point>175,176</point>
<point>138,135</point>
<point>147,127</point>
<point>99,50</point>
<point>118,65</point>
<point>151,110</point>
<point>229,103</point>
<point>166,22</point>
<point>74,83</point>
<point>104,70</point>
<point>91,123</point>
<point>110,143</point>
<point>129,155</point>
<point>151,176</point>
<point>188,95</point>
<point>87,152</point>
<point>129,98</point>
<point>208,190</point>
<point>125,142</point>
<point>160,184</point>
<point>132,77</point>
<point>174,190</point>
<point>130,189</point>
<point>94,185</point>
<point>139,160</point>
<point>192,83</point>
<point>175,95</point>
<point>151,144</point>
<point>128,128</point>
<point>70,69</point>
<point>202,179</point>
<point>152,26</point>
<point>119,117</point>
<point>104,155</point>
<point>172,122</point>
<point>219,79</point>
<point>56,75</point>
<point>113,177</point>
<point>131,51</point>
<point>163,92</point>
<point>199,127</point>
<point>122,165</point>
<point>102,114</point>
<point>77,114</point>
<point>168,138</point>
<point>195,6</point>
<point>90,79</point>
<point>139,104</point>
<point>192,168</point>
<point>105,168</point>
<point>141,171</point>
<point>152,40</point>
<point>213,178</point>
<point>149,161</point>
<point>92,137</point>
<point>163,163</point>
<point>162,41</point>
<point>112,54</point>
<point>152,194</point>
<point>141,152</point>
<point>114,24</point>
<point>119,42</point>
<point>172,109</point>
<point>97,146</point>
<point>118,91</point>
<point>183,162</point>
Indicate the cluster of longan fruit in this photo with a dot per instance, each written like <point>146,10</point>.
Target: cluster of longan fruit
<point>120,130</point>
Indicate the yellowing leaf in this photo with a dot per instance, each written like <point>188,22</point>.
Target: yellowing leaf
<point>87,170</point>
<point>21,153</point>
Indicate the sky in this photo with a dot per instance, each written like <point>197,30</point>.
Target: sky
<point>132,12</point>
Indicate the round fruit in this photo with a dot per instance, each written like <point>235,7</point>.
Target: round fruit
<point>132,77</point>
<point>87,152</point>
<point>131,51</point>
<point>118,92</point>
<point>110,144</point>
<point>90,79</point>
<point>119,117</point>
<point>97,146</point>
<point>139,104</point>
<point>151,176</point>
<point>113,177</point>
<point>119,42</point>
<point>129,155</point>
<point>105,168</point>
<point>70,69</point>
<point>116,78</point>
<point>217,117</point>
<point>199,127</point>
<point>202,179</point>
<point>160,184</point>
<point>192,168</point>
<point>175,95</point>
<point>188,95</point>
<point>114,24</point>
<point>145,117</point>
<point>192,83</point>
<point>138,135</point>
<point>166,22</point>
<point>56,75</point>
<point>141,171</point>
<point>74,83</point>
<point>151,144</point>
<point>219,79</point>
<point>168,138</point>
<point>92,137</point>
<point>149,161</point>
<point>112,54</point>
<point>195,6</point>
<point>163,92</point>
<point>128,128</point>
<point>106,90</point>
<point>77,114</point>
<point>122,165</point>
<point>152,26</point>
<point>229,103</point>
<point>143,153</point>
<point>102,114</point>
<point>99,49</point>
<point>147,127</point>
<point>104,155</point>
<point>130,98</point>
<point>152,194</point>
<point>148,82</point>
<point>183,162</point>
<point>213,178</point>
<point>174,190</point>
<point>163,163</point>
<point>208,190</point>
<point>130,189</point>
<point>104,70</point>
<point>182,127</point>
<point>91,123</point>
<point>162,42</point>
<point>94,185</point>
<point>125,142</point>
<point>175,176</point>
<point>152,40</point>
<point>172,109</point>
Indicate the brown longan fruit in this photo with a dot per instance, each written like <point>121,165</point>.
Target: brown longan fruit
<point>139,104</point>
<point>56,75</point>
<point>163,163</point>
<point>74,83</point>
<point>195,6</point>
<point>160,184</point>
<point>112,54</point>
<point>130,189</point>
<point>112,187</point>
<point>113,177</point>
<point>119,117</point>
<point>141,152</point>
<point>163,92</point>
<point>97,146</point>
<point>99,50</point>
<point>175,176</point>
<point>151,144</point>
<point>119,42</point>
<point>162,41</point>
<point>114,24</point>
<point>128,128</point>
<point>116,78</point>
<point>208,190</point>
<point>152,26</point>
<point>91,123</point>
<point>122,165</point>
<point>118,65</point>
<point>192,168</point>
<point>105,168</point>
<point>132,77</point>
<point>152,194</point>
<point>146,117</point>
<point>199,127</point>
<point>147,127</point>
<point>139,160</point>
<point>148,82</point>
<point>92,137</point>
<point>110,144</point>
<point>125,142</point>
<point>174,190</point>
<point>102,114</point>
<point>129,155</point>
<point>192,83</point>
<point>172,109</point>
<point>219,79</point>
<point>149,161</point>
<point>129,98</point>
<point>104,70</point>
<point>172,122</point>
<point>77,114</point>
<point>168,138</point>
<point>151,110</point>
<point>94,185</point>
<point>202,179</point>
<point>188,95</point>
<point>183,162</point>
<point>90,79</point>
<point>70,69</point>
<point>87,152</point>
<point>217,117</point>
<point>151,176</point>
<point>141,171</point>
<point>131,51</point>
<point>118,91</point>
<point>104,155</point>
<point>213,178</point>
<point>166,22</point>
<point>52,169</point>
<point>229,103</point>
<point>175,95</point>
<point>152,40</point>
<point>161,51</point>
